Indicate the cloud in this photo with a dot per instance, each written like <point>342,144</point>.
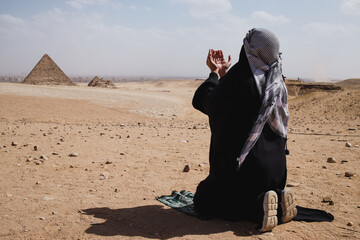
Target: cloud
<point>80,4</point>
<point>207,8</point>
<point>268,18</point>
<point>331,29</point>
<point>93,45</point>
<point>12,27</point>
<point>8,19</point>
<point>351,7</point>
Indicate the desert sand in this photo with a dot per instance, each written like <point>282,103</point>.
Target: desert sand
<point>87,163</point>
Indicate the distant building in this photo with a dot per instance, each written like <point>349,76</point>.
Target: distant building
<point>46,72</point>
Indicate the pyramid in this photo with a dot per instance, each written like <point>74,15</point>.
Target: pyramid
<point>46,72</point>
<point>100,82</point>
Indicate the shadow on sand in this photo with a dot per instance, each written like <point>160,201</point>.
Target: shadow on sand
<point>154,221</point>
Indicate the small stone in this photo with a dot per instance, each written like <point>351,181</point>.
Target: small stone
<point>326,199</point>
<point>128,136</point>
<point>41,218</point>
<point>37,183</point>
<point>14,144</point>
<point>116,190</point>
<point>350,223</point>
<point>53,213</point>
<point>122,153</point>
<point>293,184</point>
<point>186,168</point>
<point>74,154</point>
<point>95,223</point>
<point>37,162</point>
<point>349,174</point>
<point>55,153</point>
<point>104,175</point>
<point>331,160</point>
<point>43,157</point>
<point>324,167</point>
<point>102,134</point>
<point>71,166</point>
<point>352,129</point>
<point>348,144</point>
<point>62,140</point>
<point>108,162</point>
<point>331,202</point>
<point>344,161</point>
<point>35,148</point>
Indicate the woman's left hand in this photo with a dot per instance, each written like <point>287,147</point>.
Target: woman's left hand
<point>216,62</point>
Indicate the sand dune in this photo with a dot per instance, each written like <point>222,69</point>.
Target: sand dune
<point>131,145</point>
<point>350,83</point>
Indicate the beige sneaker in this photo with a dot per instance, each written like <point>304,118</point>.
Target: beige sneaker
<point>288,206</point>
<point>270,205</point>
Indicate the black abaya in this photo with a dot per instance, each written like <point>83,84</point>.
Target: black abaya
<point>232,105</point>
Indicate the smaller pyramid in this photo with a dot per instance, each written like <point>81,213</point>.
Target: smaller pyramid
<point>100,82</point>
<point>46,72</point>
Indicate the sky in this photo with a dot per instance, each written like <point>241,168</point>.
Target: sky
<point>319,39</point>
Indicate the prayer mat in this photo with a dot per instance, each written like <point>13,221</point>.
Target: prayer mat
<point>183,202</point>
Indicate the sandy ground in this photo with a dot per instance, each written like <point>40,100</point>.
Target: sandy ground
<point>132,144</point>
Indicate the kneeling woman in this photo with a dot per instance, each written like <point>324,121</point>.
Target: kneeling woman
<point>248,115</point>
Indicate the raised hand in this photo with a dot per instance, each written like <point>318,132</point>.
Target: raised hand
<point>216,62</point>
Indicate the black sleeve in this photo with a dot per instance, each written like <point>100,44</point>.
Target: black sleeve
<point>202,97</point>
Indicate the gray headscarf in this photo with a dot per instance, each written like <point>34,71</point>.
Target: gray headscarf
<point>262,51</point>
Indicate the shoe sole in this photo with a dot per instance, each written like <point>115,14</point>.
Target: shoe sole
<point>270,205</point>
<point>288,206</point>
